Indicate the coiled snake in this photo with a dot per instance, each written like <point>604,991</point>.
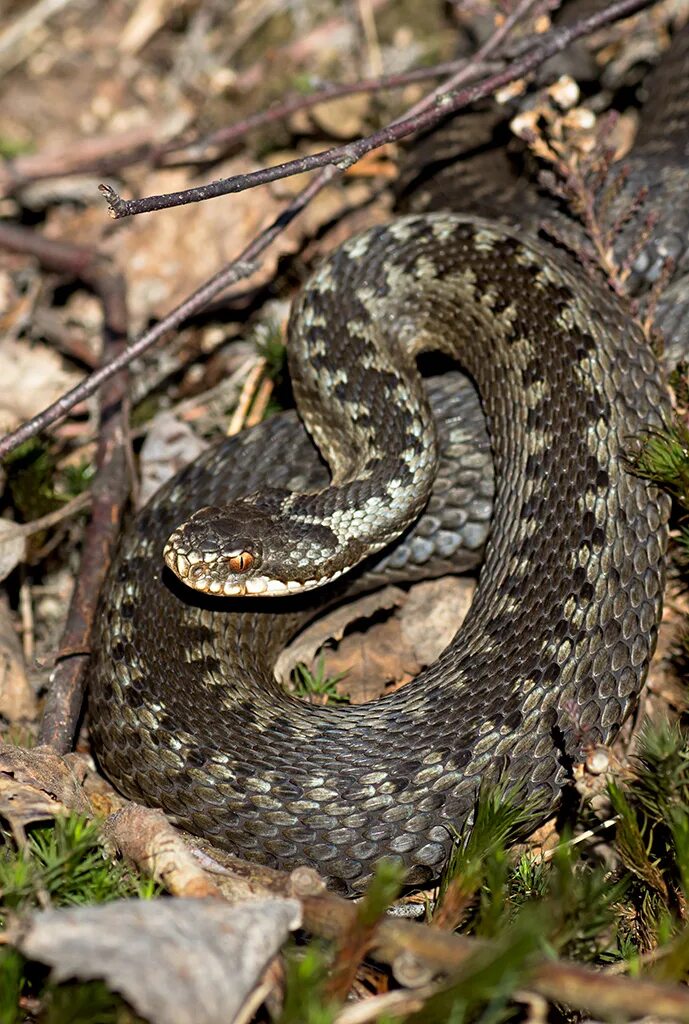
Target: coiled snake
<point>185,713</point>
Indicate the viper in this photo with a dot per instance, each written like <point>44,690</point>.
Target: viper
<point>240,549</point>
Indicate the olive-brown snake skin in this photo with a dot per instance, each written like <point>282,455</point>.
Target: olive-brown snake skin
<point>185,713</point>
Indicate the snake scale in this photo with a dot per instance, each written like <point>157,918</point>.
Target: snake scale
<point>184,711</point>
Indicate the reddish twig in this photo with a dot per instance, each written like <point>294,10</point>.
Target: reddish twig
<point>244,263</point>
<point>112,153</point>
<point>109,493</point>
<point>198,300</point>
<point>443,102</point>
<point>103,155</point>
<point>224,137</point>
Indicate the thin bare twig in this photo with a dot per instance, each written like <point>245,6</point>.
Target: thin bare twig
<point>70,508</point>
<point>198,300</point>
<point>240,267</point>
<point>103,155</point>
<point>65,698</point>
<point>443,102</point>
<point>224,137</point>
<point>464,73</point>
<point>112,152</point>
<point>444,955</point>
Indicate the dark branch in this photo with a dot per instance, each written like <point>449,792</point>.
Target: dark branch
<point>222,138</point>
<point>198,300</point>
<point>445,101</point>
<point>239,268</point>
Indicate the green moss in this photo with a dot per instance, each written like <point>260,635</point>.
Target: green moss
<point>36,484</point>
<point>61,865</point>
<point>66,864</point>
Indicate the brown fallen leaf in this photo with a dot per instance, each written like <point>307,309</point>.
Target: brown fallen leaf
<point>174,961</point>
<point>37,784</point>
<point>332,626</point>
<point>432,614</point>
<point>374,662</point>
<point>389,653</point>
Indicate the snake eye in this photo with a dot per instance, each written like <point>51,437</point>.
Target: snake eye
<point>241,562</point>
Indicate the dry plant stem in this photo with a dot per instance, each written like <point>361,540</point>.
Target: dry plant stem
<point>145,837</point>
<point>443,954</point>
<point>61,257</point>
<point>27,621</point>
<point>246,397</point>
<point>352,948</point>
<point>370,32</point>
<point>242,266</point>
<point>446,954</point>
<point>444,102</point>
<point>45,522</point>
<point>390,1004</point>
<point>103,155</point>
<point>260,403</point>
<point>198,300</point>
<point>450,913</point>
<point>222,138</point>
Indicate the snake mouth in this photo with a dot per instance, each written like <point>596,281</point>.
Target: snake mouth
<point>211,573</point>
<point>208,574</point>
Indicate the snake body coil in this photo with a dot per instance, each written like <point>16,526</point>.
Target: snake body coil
<point>185,712</point>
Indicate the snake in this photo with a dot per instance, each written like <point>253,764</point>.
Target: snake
<point>387,475</point>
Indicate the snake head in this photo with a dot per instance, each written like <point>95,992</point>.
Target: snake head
<point>243,549</point>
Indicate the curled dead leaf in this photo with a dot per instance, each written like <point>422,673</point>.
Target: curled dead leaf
<point>37,784</point>
<point>174,961</point>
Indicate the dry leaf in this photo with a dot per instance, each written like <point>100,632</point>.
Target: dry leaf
<point>32,377</point>
<point>432,614</point>
<point>332,627</point>
<point>174,961</point>
<point>373,662</point>
<point>37,784</point>
<point>387,653</point>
